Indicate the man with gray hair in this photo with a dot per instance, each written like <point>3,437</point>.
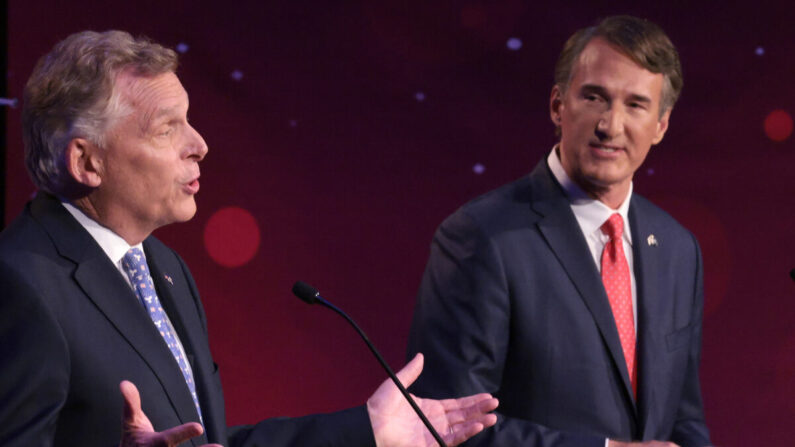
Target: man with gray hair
<point>97,315</point>
<point>574,300</point>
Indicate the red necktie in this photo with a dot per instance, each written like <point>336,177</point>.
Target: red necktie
<point>615,276</point>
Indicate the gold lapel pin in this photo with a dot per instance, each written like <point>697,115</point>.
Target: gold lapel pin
<point>651,240</point>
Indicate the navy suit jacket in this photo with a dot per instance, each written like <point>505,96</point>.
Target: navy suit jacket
<point>71,329</point>
<point>512,303</point>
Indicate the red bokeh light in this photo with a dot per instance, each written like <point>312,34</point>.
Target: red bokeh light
<point>778,125</point>
<point>231,236</point>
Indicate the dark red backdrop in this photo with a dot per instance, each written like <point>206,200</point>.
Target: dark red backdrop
<point>349,131</point>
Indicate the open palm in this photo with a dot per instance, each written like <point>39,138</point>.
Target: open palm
<point>396,425</point>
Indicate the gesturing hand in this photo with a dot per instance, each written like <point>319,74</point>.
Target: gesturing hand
<point>396,425</point>
<point>137,430</point>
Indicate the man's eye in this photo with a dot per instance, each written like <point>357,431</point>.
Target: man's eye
<point>593,98</point>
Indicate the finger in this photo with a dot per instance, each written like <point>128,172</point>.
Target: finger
<point>181,433</point>
<point>132,400</point>
<point>467,401</point>
<point>477,412</point>
<point>459,417</point>
<point>488,405</point>
<point>461,432</point>
<point>411,371</point>
<point>482,404</point>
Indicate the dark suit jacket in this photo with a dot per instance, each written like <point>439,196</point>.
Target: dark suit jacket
<point>512,303</point>
<point>71,329</point>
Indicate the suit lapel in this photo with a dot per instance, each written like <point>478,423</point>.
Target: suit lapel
<point>564,236</point>
<point>105,286</point>
<point>646,263</point>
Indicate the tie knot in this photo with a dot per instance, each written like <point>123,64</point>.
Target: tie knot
<point>614,226</point>
<point>133,259</point>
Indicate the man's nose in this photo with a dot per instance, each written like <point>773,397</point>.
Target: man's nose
<point>611,123</point>
<point>196,147</point>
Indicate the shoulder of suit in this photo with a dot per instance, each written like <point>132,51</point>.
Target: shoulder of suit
<point>500,209</point>
<point>25,234</point>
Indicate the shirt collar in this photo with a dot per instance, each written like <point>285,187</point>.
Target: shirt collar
<point>590,213</point>
<point>114,246</point>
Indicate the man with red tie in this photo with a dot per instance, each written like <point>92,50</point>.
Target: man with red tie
<point>574,300</point>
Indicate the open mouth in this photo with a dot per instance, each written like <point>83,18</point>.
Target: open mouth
<point>192,187</point>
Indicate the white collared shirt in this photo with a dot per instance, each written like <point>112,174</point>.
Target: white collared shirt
<point>591,214</point>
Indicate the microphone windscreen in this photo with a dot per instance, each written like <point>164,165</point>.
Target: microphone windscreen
<point>306,292</point>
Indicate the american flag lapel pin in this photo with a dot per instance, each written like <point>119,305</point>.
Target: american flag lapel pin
<point>168,278</point>
<point>651,241</point>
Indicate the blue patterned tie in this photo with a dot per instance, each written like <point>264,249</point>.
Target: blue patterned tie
<point>135,266</point>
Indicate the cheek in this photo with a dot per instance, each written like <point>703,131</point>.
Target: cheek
<point>649,130</point>
<point>584,121</point>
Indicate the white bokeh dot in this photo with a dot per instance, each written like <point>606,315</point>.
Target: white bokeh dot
<point>478,168</point>
<point>182,48</point>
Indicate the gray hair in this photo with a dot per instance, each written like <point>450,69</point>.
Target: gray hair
<point>71,94</point>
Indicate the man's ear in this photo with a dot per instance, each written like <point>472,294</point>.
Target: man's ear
<point>84,162</point>
<point>662,126</point>
<point>555,105</point>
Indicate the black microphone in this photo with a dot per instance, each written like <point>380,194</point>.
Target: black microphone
<point>310,295</point>
<point>792,274</point>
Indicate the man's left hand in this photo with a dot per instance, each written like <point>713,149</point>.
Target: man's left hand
<point>396,425</point>
<point>137,430</point>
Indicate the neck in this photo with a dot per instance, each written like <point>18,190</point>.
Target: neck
<point>612,199</point>
<point>611,195</point>
<point>120,225</point>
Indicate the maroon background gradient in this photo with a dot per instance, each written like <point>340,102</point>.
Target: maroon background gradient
<point>349,130</point>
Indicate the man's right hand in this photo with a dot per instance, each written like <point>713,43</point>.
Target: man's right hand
<point>137,430</point>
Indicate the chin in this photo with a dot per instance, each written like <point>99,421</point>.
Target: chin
<point>185,212</point>
<point>606,175</point>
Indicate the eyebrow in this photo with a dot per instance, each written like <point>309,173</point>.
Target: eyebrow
<point>150,119</point>
<point>163,111</point>
<point>598,89</point>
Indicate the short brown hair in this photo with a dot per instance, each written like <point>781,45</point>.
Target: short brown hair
<point>70,94</point>
<point>641,40</point>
